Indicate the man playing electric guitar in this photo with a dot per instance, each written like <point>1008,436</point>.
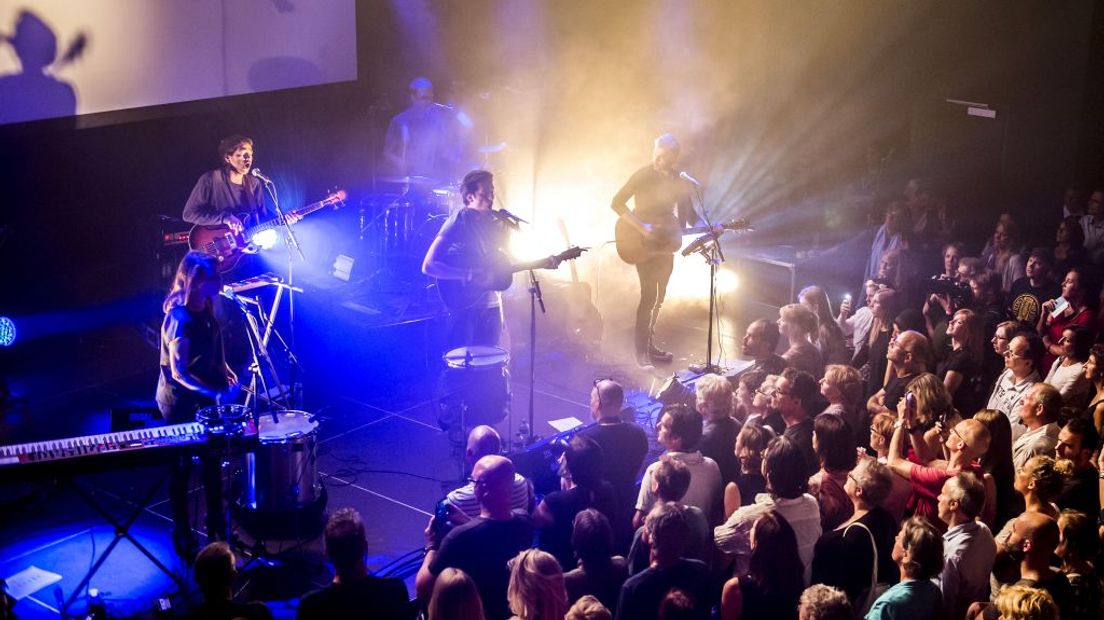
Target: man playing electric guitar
<point>228,195</point>
<point>464,252</point>
<point>661,199</point>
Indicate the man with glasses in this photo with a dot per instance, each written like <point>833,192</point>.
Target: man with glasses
<point>1021,364</point>
<point>908,357</point>
<point>797,398</point>
<point>1038,414</point>
<point>966,442</point>
<point>463,504</point>
<point>481,547</point>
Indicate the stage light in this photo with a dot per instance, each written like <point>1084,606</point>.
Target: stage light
<point>265,239</point>
<point>7,332</point>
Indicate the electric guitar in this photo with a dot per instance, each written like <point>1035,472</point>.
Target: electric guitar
<point>459,295</point>
<point>635,247</point>
<point>228,247</point>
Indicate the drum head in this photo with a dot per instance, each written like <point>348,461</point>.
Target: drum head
<point>477,356</point>
<point>223,418</point>
<point>288,425</point>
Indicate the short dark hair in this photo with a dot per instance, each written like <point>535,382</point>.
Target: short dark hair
<point>806,389</point>
<point>752,379</point>
<point>1086,430</point>
<point>672,479</point>
<point>471,182</point>
<point>835,442</point>
<point>1043,255</point>
<point>686,424</point>
<point>668,531</point>
<point>583,458</point>
<point>770,333</point>
<point>785,467</point>
<point>231,143</point>
<point>592,536</point>
<point>1082,341</point>
<point>345,540</point>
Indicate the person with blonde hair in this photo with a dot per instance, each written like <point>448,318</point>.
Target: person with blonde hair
<point>799,325</point>
<point>843,386</point>
<point>455,597</point>
<point>1024,603</point>
<point>588,608</point>
<point>935,415</point>
<point>536,590</point>
<point>714,402</point>
<point>829,338</point>
<point>821,602</point>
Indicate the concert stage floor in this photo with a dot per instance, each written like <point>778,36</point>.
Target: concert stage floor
<point>379,451</point>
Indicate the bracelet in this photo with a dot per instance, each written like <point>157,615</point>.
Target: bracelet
<point>429,548</point>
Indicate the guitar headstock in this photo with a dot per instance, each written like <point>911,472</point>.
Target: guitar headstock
<point>336,198</point>
<point>742,223</point>
<point>570,253</point>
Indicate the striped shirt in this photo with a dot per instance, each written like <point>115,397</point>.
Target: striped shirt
<point>465,506</point>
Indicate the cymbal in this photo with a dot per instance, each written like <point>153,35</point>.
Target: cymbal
<point>411,180</point>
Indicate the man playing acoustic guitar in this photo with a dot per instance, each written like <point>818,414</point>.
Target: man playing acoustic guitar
<point>661,201</point>
<point>463,258</point>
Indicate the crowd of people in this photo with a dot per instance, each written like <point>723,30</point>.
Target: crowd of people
<point>930,452</point>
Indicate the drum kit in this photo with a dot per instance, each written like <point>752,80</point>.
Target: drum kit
<point>276,492</point>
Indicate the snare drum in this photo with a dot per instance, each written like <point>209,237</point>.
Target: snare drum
<point>475,387</point>
<point>223,419</point>
<point>282,474</point>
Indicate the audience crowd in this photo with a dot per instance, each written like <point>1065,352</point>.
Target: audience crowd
<point>931,450</point>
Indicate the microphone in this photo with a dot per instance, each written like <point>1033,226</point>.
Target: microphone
<point>503,214</point>
<point>689,179</point>
<point>698,243</point>
<point>228,292</point>
<point>257,173</point>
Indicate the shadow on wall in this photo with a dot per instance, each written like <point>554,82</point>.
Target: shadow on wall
<point>34,93</point>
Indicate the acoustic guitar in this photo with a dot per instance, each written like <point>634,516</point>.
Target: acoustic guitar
<point>666,238</point>
<point>459,295</point>
<point>228,247</point>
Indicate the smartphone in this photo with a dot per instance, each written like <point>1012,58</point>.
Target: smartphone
<point>910,402</point>
<point>441,516</point>
<point>847,297</point>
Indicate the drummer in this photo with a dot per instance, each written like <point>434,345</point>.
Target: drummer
<point>425,140</point>
<point>194,374</point>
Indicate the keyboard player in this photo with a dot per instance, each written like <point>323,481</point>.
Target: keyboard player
<point>194,374</point>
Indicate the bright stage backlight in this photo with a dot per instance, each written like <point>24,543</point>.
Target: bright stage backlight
<point>266,238</point>
<point>7,332</point>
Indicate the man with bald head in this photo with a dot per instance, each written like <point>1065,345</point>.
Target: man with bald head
<point>967,441</point>
<point>462,503</point>
<point>1034,538</point>
<point>481,547</point>
<point>908,357</point>
<point>619,437</point>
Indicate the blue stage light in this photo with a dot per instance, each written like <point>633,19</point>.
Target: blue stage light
<point>7,332</point>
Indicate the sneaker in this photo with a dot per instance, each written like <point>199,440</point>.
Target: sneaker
<point>644,361</point>
<point>660,356</point>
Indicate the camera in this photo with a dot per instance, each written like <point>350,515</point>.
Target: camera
<point>958,292</point>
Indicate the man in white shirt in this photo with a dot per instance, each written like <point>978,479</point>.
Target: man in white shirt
<point>784,468</point>
<point>1038,414</point>
<point>1021,371</point>
<point>679,430</point>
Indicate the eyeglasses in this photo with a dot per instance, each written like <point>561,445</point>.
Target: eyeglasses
<point>475,482</point>
<point>765,392</point>
<point>853,479</point>
<point>959,435</point>
<point>1010,353</point>
<point>778,392</point>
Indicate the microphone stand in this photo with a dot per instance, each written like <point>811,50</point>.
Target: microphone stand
<point>535,299</point>
<point>711,251</point>
<point>292,242</point>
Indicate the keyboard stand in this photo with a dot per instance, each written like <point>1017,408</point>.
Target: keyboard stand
<point>122,530</point>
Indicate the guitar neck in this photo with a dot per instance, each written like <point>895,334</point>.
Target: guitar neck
<point>275,222</point>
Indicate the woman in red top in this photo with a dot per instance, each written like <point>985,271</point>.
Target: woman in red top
<point>1075,290</point>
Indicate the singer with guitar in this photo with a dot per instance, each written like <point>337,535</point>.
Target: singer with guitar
<point>662,207</point>
<point>228,195</point>
<point>466,259</point>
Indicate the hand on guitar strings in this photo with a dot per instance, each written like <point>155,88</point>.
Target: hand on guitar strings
<point>233,223</point>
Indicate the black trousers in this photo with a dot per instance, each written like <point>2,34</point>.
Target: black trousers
<point>475,326</point>
<point>653,274</point>
<point>211,474</point>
